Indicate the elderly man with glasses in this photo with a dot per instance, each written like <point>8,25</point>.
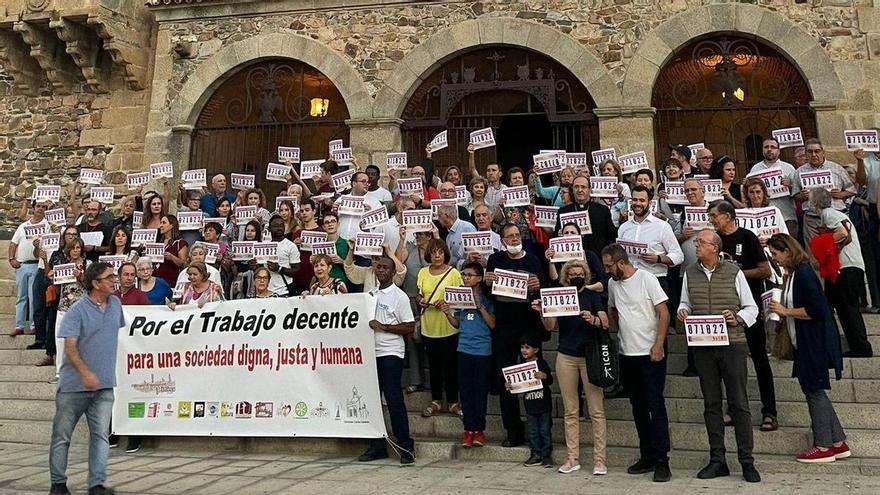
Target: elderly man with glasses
<point>842,187</point>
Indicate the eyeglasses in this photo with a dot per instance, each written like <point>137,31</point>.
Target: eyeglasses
<point>705,158</point>
<point>261,277</point>
<point>469,275</point>
<point>814,152</point>
<point>701,242</point>
<point>108,277</point>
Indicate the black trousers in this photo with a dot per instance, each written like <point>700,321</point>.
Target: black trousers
<point>505,350</point>
<point>41,283</point>
<point>756,338</point>
<point>645,381</point>
<point>844,297</point>
<point>443,367</point>
<point>390,370</point>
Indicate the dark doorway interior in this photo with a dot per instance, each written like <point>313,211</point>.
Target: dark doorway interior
<point>520,137</point>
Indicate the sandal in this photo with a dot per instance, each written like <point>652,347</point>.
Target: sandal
<point>769,424</point>
<point>411,389</point>
<point>431,410</point>
<point>455,409</point>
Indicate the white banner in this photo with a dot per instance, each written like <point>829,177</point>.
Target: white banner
<point>714,190</point>
<point>461,195</point>
<point>324,247</point>
<point>763,222</point>
<point>633,162</point>
<point>190,220</point>
<point>817,178</point>
<point>477,242</point>
<point>334,145</point>
<point>351,205</point>
<point>56,216</point>
<point>567,248</point>
<point>410,186</point>
<point>697,218</point>
<point>309,169</point>
<point>521,377</point>
<point>242,250</point>
<point>302,367</point>
<point>91,176</point>
<point>342,180</point>
<point>102,194</point>
<point>343,156</point>
<point>376,217</point>
<point>459,297</point>
<point>516,196</point>
<point>510,284</point>
<point>309,237</point>
<point>577,161</point>
<point>439,142</point>
<point>580,218</point>
<point>675,193</point>
<point>603,187</point>
<point>418,220</point>
<point>547,163</point>
<point>47,193</point>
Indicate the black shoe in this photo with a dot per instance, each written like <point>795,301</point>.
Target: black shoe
<point>689,371</point>
<point>547,462</point>
<point>113,440</point>
<point>750,474</point>
<point>134,444</point>
<point>851,354</point>
<point>532,461</point>
<point>406,459</point>
<point>616,392</point>
<point>513,442</point>
<point>370,455</point>
<point>662,474</point>
<point>642,466</point>
<point>59,489</point>
<point>36,345</point>
<point>713,470</point>
<point>101,490</point>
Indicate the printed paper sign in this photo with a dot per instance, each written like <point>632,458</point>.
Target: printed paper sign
<point>634,249</point>
<point>697,218</point>
<point>817,178</point>
<point>245,213</point>
<point>633,162</point>
<point>294,200</point>
<point>309,169</point>
<point>601,156</point>
<point>418,220</point>
<point>437,203</point>
<point>308,239</point>
<point>713,189</point>
<point>177,292</point>
<point>334,145</point>
<point>516,196</point>
<point>140,237</point>
<point>212,249</point>
<point>194,179</point>
<point>477,242</point>
<point>577,161</point>
<point>102,195</point>
<point>114,260</point>
<point>56,216</point>
<point>277,172</point>
<point>772,178</point>
<point>483,138</point>
<point>706,330</point>
<point>547,163</point>
<point>521,377</point>
<point>368,243</point>
<point>32,231</point>
<point>137,219</point>
<point>342,156</point>
<point>190,220</point>
<point>567,248</point>
<point>766,297</point>
<point>91,176</point>
<point>155,252</point>
<point>163,170</point>
<point>324,247</point>
<point>560,301</point>
<point>603,187</point>
<point>288,154</point>
<point>342,180</point>
<point>218,220</point>
<point>243,181</point>
<point>136,180</point>
<point>696,147</point>
<point>410,186</point>
<point>763,222</point>
<point>459,297</point>
<point>50,243</point>
<point>439,142</point>
<point>264,252</point>
<point>92,238</point>
<point>791,136</point>
<point>510,284</point>
<point>675,193</point>
<point>581,218</point>
<point>351,205</point>
<point>545,216</point>
<point>461,195</point>
<point>376,217</point>
<point>242,250</point>
<point>865,139</point>
<point>559,153</point>
<point>395,161</point>
<point>47,193</point>
<point>64,274</point>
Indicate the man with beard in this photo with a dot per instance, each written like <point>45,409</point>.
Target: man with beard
<point>770,148</point>
<point>92,223</point>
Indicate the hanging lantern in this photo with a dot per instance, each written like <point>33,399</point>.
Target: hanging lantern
<point>319,107</point>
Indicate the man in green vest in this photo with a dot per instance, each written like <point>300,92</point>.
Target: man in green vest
<point>716,296</point>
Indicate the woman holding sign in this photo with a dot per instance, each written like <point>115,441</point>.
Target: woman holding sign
<point>324,284</point>
<point>724,168</point>
<point>599,280</point>
<point>809,321</point>
<point>200,289</point>
<point>70,292</point>
<point>553,194</point>
<point>576,332</point>
<point>120,244</point>
<point>176,250</point>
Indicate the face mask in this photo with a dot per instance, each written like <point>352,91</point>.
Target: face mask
<point>577,281</point>
<point>514,250</point>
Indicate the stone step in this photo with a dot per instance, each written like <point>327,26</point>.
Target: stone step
<point>22,357</point>
<point>37,431</point>
<point>20,342</point>
<point>16,373</point>
<point>35,409</point>
<point>10,390</point>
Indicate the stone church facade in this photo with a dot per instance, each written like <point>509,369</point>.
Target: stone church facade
<point>118,84</point>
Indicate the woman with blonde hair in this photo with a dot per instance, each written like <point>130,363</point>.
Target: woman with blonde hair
<point>199,289</point>
<point>553,194</point>
<point>575,334</point>
<point>610,168</point>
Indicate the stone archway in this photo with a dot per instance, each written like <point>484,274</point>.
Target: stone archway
<point>660,44</point>
<point>421,61</point>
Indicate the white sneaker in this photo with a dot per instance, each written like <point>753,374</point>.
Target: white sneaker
<point>600,469</point>
<point>570,466</point>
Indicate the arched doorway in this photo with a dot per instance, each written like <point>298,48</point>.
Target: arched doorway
<point>730,93</point>
<point>263,106</point>
<point>530,101</point>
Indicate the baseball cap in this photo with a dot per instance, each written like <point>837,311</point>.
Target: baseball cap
<point>682,149</point>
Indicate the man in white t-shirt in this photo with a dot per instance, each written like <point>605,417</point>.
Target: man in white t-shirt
<point>374,190</point>
<point>394,319</point>
<point>282,273</point>
<point>350,224</point>
<point>638,304</point>
<point>23,261</point>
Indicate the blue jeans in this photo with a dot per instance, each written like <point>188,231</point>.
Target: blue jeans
<point>24,303</point>
<point>69,406</point>
<point>390,370</point>
<point>540,441</point>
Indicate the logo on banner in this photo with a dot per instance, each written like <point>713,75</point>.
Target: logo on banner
<point>137,409</point>
<point>244,410</point>
<point>184,409</point>
<point>301,409</point>
<point>152,387</point>
<point>263,409</point>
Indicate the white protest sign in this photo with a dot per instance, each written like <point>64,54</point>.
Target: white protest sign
<point>675,193</point>
<point>772,178</point>
<point>162,170</point>
<point>140,237</point>
<point>864,139</point>
<point>516,196</point>
<point>190,220</point>
<point>91,176</point>
<point>477,242</point>
<point>243,181</point>
<point>410,186</point>
<point>581,218</point>
<point>545,216</point>
<point>177,292</point>
<point>567,248</point>
<point>368,243</point>
<point>459,297</point>
<point>816,178</point>
<point>766,297</point>
<point>601,156</point>
<point>788,137</point>
<point>309,169</point>
<point>50,243</point>
<point>308,238</point>
<point>218,220</point>
<point>102,194</point>
<point>395,161</point>
<point>34,230</point>
<point>342,180</point>
<point>696,147</point>
<point>706,330</point>
<point>437,203</point>
<point>212,249</point>
<point>194,179</point>
<point>245,213</point>
<point>603,187</point>
<point>461,195</point>
<point>242,250</point>
<point>510,284</point>
<point>47,193</point>
<point>713,189</point>
<point>137,219</point>
<point>334,145</point>
<point>547,163</point>
<point>351,205</point>
<point>342,156</point>
<point>482,138</point>
<point>418,220</point>
<point>265,252</point>
<point>64,274</point>
<point>136,180</point>
<point>155,252</point>
<point>633,248</point>
<point>697,218</point>
<point>114,260</point>
<point>560,301</point>
<point>521,377</point>
<point>439,142</point>
<point>577,161</point>
<point>376,217</point>
<point>763,222</point>
<point>56,216</point>
<point>277,172</point>
<point>294,200</point>
<point>324,247</point>
<point>288,154</point>
<point>633,162</point>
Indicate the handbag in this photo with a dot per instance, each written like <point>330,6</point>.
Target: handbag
<point>51,294</point>
<point>783,348</point>
<point>603,369</point>
<point>439,282</point>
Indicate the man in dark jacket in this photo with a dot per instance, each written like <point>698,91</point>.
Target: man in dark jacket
<point>602,230</point>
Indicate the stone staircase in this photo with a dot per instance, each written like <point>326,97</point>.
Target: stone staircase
<point>27,408</point>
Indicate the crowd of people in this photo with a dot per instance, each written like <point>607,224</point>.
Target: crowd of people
<point>645,265</point>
